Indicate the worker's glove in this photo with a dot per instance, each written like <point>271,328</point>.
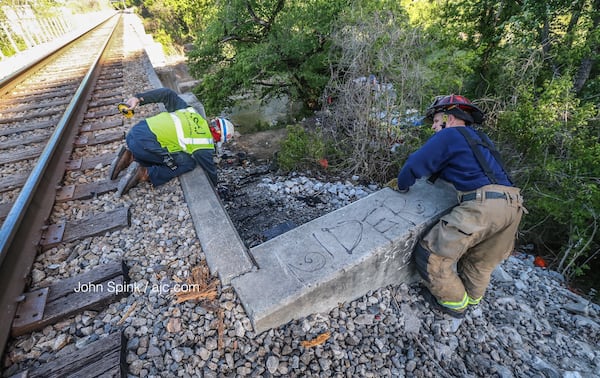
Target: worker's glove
<point>393,184</point>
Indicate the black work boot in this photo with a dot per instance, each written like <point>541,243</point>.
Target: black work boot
<point>121,161</point>
<point>438,307</point>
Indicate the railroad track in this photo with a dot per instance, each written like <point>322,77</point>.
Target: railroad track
<point>59,127</point>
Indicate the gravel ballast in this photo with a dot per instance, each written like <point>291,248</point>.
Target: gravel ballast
<point>528,324</point>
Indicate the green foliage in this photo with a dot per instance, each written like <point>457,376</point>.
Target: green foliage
<point>449,56</point>
<point>178,22</point>
<point>559,140</point>
<point>270,48</point>
<point>301,150</point>
<point>161,36</point>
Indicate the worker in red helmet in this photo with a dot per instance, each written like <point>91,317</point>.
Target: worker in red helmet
<point>170,143</point>
<point>457,256</point>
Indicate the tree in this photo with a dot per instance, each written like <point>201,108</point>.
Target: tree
<point>175,23</point>
<point>271,48</point>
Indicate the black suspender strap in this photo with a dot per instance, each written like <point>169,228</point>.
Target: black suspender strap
<point>490,146</point>
<point>485,142</point>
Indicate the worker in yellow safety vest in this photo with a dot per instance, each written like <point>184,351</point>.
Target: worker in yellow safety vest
<point>170,143</point>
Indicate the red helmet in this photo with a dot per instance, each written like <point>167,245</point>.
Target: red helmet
<point>457,105</point>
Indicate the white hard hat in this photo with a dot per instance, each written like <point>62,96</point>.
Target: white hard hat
<point>224,128</point>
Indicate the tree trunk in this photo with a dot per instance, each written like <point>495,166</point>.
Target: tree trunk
<point>583,73</point>
<point>585,68</point>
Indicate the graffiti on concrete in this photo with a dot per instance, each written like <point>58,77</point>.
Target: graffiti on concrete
<point>392,219</point>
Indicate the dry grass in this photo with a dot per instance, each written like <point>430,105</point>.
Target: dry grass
<point>200,286</point>
<point>319,340</point>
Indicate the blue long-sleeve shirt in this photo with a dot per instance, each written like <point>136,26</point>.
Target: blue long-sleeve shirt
<point>449,153</point>
<point>167,96</point>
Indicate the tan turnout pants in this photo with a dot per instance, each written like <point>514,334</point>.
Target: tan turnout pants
<point>460,252</point>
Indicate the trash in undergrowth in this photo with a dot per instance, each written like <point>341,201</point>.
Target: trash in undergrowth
<point>316,341</point>
<point>540,262</point>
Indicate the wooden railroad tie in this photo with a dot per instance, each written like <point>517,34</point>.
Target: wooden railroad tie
<point>109,86</point>
<point>64,193</point>
<point>37,138</point>
<point>26,117</point>
<point>96,126</point>
<point>13,181</point>
<point>64,232</point>
<point>107,100</point>
<point>5,209</point>
<point>98,114</point>
<point>102,358</point>
<point>86,139</point>
<point>25,153</point>
<point>83,191</point>
<point>28,126</point>
<point>89,162</point>
<point>89,291</point>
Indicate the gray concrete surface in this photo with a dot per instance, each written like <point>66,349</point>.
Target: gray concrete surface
<point>340,256</point>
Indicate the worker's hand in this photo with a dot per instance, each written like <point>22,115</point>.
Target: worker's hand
<point>133,102</point>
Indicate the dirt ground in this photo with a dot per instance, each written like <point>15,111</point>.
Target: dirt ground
<point>259,146</point>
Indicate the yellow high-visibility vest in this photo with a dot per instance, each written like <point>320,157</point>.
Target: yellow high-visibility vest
<point>182,130</point>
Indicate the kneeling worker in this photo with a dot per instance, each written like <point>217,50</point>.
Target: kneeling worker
<point>479,233</point>
<point>168,144</point>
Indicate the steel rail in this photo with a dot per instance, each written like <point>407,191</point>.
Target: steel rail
<point>11,80</point>
<point>23,227</point>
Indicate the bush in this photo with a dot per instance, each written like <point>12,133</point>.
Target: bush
<point>301,150</point>
<point>559,173</point>
<point>375,91</point>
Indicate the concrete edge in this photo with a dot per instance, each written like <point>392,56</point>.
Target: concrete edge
<point>225,251</point>
<point>388,265</point>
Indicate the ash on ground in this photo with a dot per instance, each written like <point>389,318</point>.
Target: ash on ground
<point>263,202</point>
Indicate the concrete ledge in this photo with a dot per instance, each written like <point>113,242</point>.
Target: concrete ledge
<point>341,255</point>
<point>225,252</point>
